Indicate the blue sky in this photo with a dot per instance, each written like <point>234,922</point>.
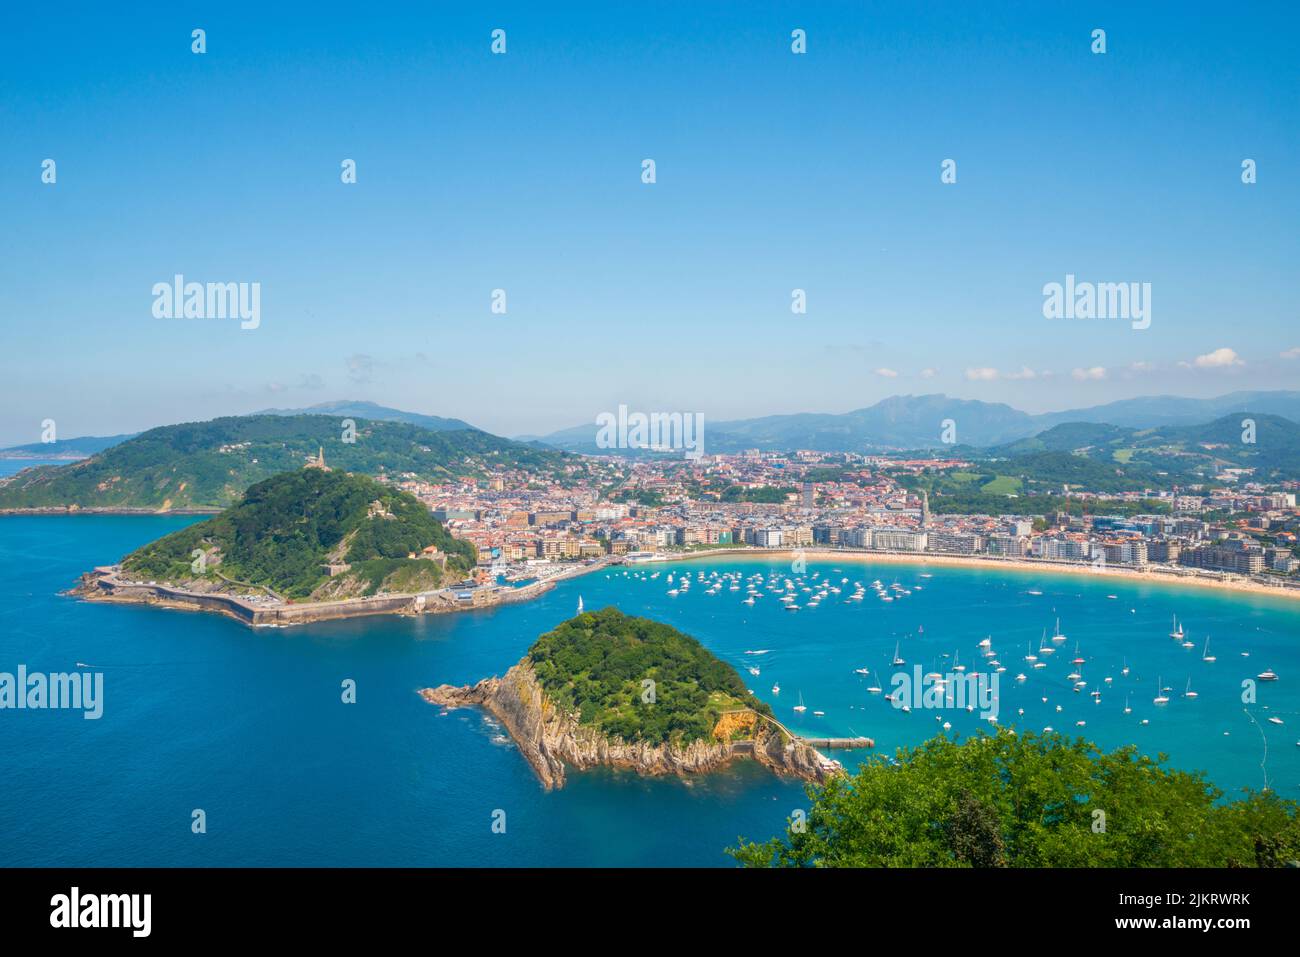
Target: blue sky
<point>522,172</point>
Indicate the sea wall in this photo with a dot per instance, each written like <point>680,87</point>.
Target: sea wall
<point>103,585</point>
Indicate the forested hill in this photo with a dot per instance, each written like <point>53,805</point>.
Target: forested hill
<point>596,664</point>
<point>288,528</point>
<point>210,464</point>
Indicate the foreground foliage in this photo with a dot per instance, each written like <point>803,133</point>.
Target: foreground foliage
<point>1009,800</point>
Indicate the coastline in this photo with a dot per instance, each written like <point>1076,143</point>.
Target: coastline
<point>1159,574</point>
<point>103,585</point>
<point>110,510</point>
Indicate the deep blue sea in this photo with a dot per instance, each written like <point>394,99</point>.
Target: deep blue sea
<point>248,725</point>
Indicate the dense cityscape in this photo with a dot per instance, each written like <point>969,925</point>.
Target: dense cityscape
<point>648,507</point>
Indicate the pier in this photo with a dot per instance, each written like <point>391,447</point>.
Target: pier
<point>840,744</point>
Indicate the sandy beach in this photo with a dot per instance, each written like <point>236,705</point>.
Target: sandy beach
<point>1155,574</point>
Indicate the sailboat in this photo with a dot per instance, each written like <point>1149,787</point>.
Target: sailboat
<point>1160,697</point>
<point>800,706</point>
<point>579,604</point>
<point>1189,693</point>
<point>1177,633</point>
<point>1124,670</point>
<point>1127,709</point>
<point>1043,647</point>
<point>898,662</point>
<point>776,688</point>
<point>1205,652</point>
<point>1056,635</point>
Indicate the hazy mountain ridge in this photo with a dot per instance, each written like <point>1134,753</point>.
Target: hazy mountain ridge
<point>83,445</point>
<point>917,422</point>
<point>360,409</point>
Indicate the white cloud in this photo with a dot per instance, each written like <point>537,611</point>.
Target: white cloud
<point>1085,375</point>
<point>928,373</point>
<point>983,374</point>
<point>1218,359</point>
<point>361,368</point>
<point>1024,373</point>
<point>1141,366</point>
<point>887,373</point>
<point>1291,353</point>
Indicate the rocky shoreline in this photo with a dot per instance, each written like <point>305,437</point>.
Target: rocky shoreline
<point>552,740</point>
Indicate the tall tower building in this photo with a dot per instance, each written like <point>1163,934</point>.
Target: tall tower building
<point>925,508</point>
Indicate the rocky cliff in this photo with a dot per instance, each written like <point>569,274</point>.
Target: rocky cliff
<point>551,739</point>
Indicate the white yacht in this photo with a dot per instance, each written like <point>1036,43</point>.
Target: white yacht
<point>1160,697</point>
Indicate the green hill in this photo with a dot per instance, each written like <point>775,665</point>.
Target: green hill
<point>210,464</point>
<point>597,662</point>
<point>287,528</point>
<point>1109,459</point>
<point>1185,452</point>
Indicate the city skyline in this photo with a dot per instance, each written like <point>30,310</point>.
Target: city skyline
<point>522,171</point>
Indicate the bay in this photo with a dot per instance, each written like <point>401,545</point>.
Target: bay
<point>248,725</point>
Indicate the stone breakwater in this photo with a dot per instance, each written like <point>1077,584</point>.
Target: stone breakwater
<point>552,740</point>
<point>104,585</point>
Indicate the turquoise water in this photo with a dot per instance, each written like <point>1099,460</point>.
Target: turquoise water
<point>201,712</point>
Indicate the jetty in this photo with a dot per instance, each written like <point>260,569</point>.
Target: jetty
<point>840,744</point>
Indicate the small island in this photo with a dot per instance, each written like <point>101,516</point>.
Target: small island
<point>303,546</point>
<point>607,689</point>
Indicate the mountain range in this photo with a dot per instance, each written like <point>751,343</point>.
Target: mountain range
<point>356,409</point>
<point>898,422</point>
<point>77,448</point>
<point>916,422</point>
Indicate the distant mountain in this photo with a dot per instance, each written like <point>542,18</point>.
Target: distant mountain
<point>903,421</point>
<point>900,421</point>
<point>352,408</point>
<point>917,422</point>
<point>64,448</point>
<point>210,464</point>
<point>1157,410</point>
